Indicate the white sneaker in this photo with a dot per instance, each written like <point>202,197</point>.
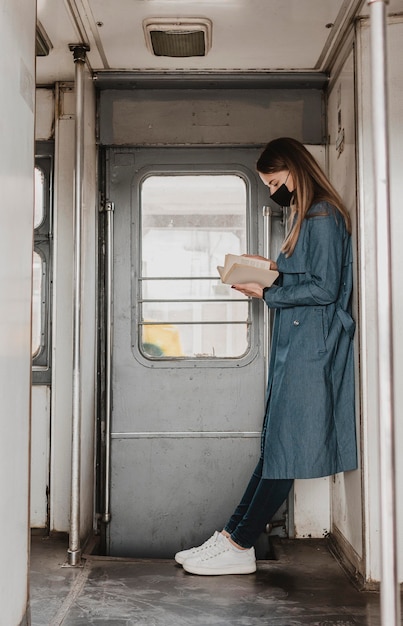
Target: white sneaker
<point>221,558</point>
<point>181,556</point>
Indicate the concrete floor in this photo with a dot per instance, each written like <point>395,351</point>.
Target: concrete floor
<point>305,585</point>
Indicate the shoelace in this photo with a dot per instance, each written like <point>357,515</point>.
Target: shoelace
<point>211,541</point>
<point>218,547</point>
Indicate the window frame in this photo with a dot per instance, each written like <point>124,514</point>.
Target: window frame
<point>43,246</point>
<point>253,317</point>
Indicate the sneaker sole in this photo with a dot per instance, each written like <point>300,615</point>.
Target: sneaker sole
<point>206,571</point>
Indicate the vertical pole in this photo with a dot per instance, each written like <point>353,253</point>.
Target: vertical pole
<point>390,593</point>
<point>74,551</point>
<point>108,357</point>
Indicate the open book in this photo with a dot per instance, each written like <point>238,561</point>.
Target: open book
<point>241,269</point>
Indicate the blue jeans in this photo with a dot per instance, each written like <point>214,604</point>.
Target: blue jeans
<point>262,498</point>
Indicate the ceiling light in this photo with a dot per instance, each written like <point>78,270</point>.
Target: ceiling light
<point>178,37</point>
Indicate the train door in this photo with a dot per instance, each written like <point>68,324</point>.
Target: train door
<point>188,367</point>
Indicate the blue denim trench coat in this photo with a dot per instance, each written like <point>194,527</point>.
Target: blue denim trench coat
<point>309,427</point>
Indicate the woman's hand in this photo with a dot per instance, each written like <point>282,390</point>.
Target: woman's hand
<point>252,290</point>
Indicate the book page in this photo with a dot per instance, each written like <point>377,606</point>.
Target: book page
<point>240,273</point>
<point>230,259</point>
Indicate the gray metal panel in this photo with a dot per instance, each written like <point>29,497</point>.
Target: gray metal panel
<point>170,493</point>
<point>210,117</point>
<point>192,423</point>
<point>113,79</point>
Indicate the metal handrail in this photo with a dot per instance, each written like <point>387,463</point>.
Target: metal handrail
<point>74,550</point>
<point>109,208</point>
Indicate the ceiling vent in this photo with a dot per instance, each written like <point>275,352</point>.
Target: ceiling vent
<point>178,37</point>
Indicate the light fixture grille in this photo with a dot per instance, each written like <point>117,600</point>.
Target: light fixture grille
<point>178,44</point>
<point>187,37</point>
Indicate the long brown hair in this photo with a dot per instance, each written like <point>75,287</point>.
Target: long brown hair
<point>311,183</point>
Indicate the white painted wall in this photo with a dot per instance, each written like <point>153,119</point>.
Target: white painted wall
<point>369,361</point>
<point>346,503</point>
<point>61,411</point>
<point>62,339</point>
<point>40,445</point>
<point>311,508</point>
<point>44,114</point>
<point>396,169</point>
<point>17,85</point>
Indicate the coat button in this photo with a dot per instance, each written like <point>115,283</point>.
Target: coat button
<point>296,323</point>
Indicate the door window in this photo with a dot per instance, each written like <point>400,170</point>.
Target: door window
<point>41,286</point>
<point>188,223</point>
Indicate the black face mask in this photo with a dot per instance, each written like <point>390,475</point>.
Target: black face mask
<point>282,196</point>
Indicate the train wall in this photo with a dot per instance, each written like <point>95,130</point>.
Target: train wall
<point>368,348</point>
<point>17,84</point>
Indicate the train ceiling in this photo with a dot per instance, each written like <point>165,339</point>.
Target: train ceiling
<point>229,35</point>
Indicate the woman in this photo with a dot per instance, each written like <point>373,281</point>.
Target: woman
<point>309,426</point>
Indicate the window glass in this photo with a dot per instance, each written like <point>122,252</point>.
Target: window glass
<point>188,224</point>
<point>42,264</point>
<point>37,308</point>
<point>39,213</point>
